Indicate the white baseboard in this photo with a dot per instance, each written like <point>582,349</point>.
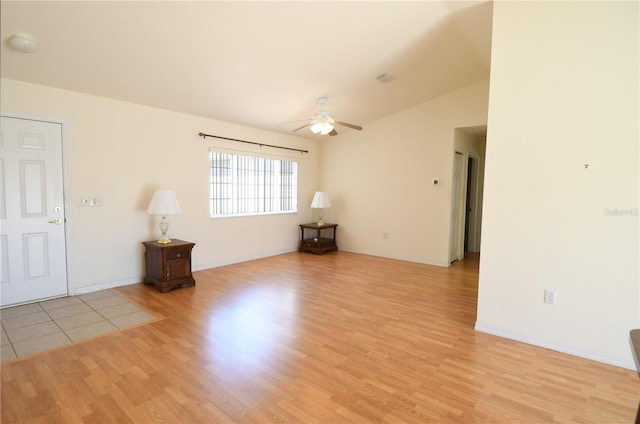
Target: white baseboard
<point>399,258</point>
<point>617,361</point>
<point>135,280</point>
<point>200,267</point>
<point>105,286</point>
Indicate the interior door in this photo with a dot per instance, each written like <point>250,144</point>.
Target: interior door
<point>456,247</point>
<point>32,230</point>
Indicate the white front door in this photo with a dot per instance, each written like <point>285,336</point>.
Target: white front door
<point>32,230</point>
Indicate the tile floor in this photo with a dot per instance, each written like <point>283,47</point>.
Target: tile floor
<point>36,327</point>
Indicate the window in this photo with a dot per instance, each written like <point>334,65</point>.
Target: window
<point>251,185</point>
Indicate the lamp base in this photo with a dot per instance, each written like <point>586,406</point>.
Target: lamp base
<point>320,218</point>
<point>164,226</point>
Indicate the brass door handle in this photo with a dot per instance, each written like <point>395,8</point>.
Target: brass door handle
<point>56,221</point>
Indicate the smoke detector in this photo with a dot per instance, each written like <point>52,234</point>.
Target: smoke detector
<point>23,42</point>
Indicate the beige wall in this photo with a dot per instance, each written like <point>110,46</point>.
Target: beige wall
<point>564,93</point>
<point>380,180</point>
<point>122,152</point>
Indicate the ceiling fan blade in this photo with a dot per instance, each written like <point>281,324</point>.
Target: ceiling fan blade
<point>333,132</point>
<point>346,124</point>
<point>308,124</point>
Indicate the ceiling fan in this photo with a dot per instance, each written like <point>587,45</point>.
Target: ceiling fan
<point>322,123</point>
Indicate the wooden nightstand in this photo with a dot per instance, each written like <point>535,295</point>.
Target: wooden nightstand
<point>168,265</point>
<point>316,243</point>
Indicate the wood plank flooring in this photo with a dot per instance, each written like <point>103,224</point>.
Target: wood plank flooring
<point>300,338</point>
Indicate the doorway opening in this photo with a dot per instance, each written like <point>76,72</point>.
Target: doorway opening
<point>471,236</point>
<point>466,191</point>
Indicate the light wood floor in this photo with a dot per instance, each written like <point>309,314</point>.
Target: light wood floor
<point>312,339</point>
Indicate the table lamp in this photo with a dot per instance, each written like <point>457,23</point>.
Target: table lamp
<point>320,201</point>
<point>163,203</point>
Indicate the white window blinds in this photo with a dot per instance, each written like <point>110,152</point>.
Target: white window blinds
<point>251,185</point>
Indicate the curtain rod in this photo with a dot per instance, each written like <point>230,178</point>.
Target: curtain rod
<point>203,135</point>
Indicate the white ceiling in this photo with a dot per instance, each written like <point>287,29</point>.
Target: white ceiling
<point>261,64</point>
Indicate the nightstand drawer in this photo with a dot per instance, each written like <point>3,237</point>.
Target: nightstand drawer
<point>177,254</point>
<point>308,243</point>
<point>320,243</point>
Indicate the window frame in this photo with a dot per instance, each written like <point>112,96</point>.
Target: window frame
<point>257,169</point>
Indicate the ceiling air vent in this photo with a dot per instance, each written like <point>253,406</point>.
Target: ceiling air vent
<point>385,77</point>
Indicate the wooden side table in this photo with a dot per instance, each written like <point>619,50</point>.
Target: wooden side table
<point>168,265</point>
<point>318,239</point>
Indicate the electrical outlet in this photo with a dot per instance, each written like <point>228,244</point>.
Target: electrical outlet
<point>550,297</point>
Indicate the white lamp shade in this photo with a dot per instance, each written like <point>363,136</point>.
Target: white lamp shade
<point>164,202</point>
<point>320,200</point>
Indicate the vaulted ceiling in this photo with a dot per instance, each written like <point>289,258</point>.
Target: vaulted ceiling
<point>260,64</point>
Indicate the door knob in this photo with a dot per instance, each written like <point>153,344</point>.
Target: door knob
<point>56,221</point>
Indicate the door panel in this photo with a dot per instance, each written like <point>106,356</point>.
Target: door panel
<point>32,189</point>
<point>32,230</point>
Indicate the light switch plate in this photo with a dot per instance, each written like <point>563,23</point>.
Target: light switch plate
<point>84,200</point>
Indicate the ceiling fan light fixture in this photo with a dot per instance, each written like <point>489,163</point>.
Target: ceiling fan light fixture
<point>322,128</point>
<point>322,123</point>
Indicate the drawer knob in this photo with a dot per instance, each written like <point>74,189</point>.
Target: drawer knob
<point>177,255</point>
